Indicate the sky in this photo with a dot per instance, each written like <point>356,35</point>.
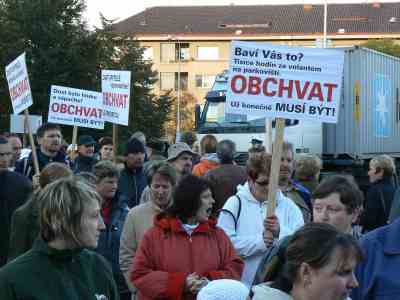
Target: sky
<point>122,9</point>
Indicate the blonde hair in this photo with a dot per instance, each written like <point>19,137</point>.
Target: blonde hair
<point>307,166</point>
<point>62,204</point>
<point>384,162</point>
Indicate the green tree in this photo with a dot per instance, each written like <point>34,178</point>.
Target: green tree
<point>61,50</point>
<point>57,42</point>
<point>148,113</point>
<point>388,46</point>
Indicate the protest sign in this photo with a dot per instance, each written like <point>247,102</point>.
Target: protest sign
<point>116,88</point>
<point>18,123</point>
<point>286,82</point>
<point>18,84</point>
<point>76,107</point>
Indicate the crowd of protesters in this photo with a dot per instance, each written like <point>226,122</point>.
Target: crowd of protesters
<point>177,222</point>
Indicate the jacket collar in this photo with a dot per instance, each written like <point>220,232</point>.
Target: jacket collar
<point>173,224</point>
<point>390,238</point>
<point>59,255</point>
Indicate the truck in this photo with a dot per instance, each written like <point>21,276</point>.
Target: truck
<point>368,122</point>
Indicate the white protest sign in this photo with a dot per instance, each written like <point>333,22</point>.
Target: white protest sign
<point>18,125</point>
<point>116,88</point>
<point>18,84</point>
<point>76,107</point>
<point>268,80</point>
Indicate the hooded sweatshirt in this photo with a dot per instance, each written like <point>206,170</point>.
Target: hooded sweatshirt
<point>248,236</point>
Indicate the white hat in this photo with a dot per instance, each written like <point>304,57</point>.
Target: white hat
<point>223,289</point>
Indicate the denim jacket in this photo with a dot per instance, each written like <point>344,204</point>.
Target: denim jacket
<point>378,274</point>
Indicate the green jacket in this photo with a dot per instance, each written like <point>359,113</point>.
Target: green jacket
<point>44,273</point>
<point>24,228</point>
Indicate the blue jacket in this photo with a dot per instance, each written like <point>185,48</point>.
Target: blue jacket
<point>108,245</point>
<point>378,275</point>
<point>131,185</point>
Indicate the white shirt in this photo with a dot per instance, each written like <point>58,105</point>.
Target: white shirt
<point>248,238</point>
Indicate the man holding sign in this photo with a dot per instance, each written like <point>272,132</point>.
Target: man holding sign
<point>49,138</point>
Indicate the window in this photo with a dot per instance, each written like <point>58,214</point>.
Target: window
<point>207,53</point>
<point>170,52</point>
<point>148,54</point>
<point>184,49</point>
<point>204,81</point>
<point>184,81</point>
<point>167,52</point>
<point>169,81</point>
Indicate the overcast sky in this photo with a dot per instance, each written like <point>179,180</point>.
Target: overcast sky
<point>122,9</point>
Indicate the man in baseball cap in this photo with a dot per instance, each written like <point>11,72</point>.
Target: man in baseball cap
<point>180,157</point>
<point>85,159</point>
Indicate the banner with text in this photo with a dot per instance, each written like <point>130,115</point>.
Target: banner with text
<point>18,84</point>
<point>116,88</point>
<point>268,80</point>
<point>76,107</point>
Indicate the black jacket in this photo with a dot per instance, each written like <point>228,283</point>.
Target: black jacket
<point>131,185</point>
<point>377,204</point>
<point>83,164</point>
<point>25,166</point>
<point>15,190</point>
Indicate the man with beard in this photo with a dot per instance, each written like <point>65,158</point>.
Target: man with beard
<point>133,181</point>
<point>85,160</point>
<point>291,188</point>
<point>49,138</point>
<point>14,191</point>
<point>180,157</point>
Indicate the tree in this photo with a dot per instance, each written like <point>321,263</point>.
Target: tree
<point>61,50</point>
<point>148,113</point>
<point>388,46</point>
<point>58,45</point>
<point>186,111</point>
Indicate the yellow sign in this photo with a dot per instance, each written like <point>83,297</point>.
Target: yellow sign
<point>357,107</point>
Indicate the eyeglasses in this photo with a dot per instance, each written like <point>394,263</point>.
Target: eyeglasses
<point>5,153</point>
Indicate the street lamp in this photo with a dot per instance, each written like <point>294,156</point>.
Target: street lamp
<point>325,23</point>
<point>178,94</point>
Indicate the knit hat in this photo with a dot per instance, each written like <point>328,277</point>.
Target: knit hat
<point>223,289</point>
<point>177,149</point>
<point>134,146</point>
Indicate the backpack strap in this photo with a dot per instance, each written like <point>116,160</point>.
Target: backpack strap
<point>235,219</point>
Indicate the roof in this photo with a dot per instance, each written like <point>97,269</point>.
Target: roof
<point>350,18</point>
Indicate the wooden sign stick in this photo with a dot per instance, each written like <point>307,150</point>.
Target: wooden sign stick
<point>74,138</point>
<point>275,167</point>
<point>32,142</point>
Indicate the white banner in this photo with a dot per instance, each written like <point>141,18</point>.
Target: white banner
<point>18,84</point>
<point>76,107</point>
<point>268,80</point>
<point>18,124</point>
<point>116,88</point>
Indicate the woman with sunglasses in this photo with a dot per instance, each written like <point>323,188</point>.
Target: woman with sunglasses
<point>243,216</point>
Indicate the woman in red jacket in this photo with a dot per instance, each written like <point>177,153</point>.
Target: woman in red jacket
<point>184,249</point>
